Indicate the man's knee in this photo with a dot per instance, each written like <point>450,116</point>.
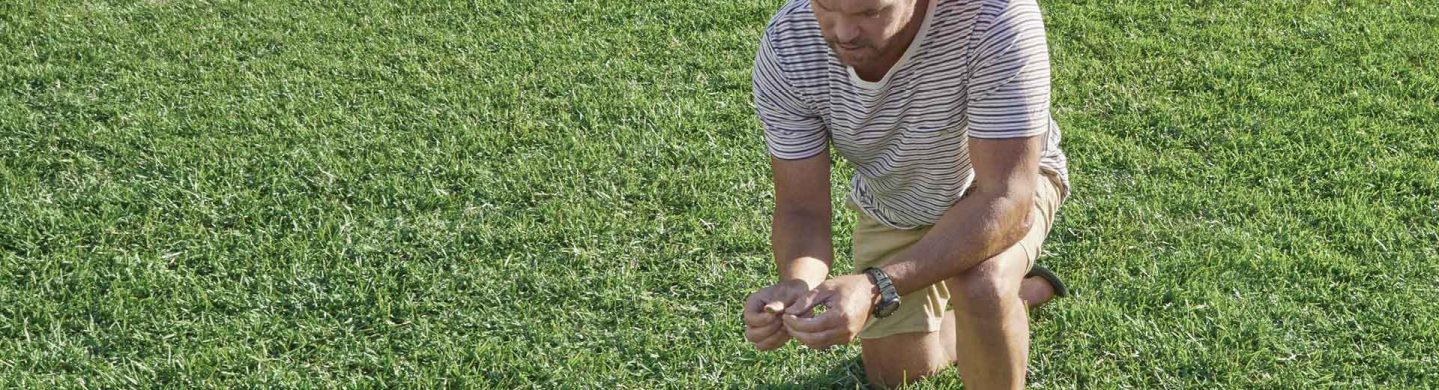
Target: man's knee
<point>983,291</point>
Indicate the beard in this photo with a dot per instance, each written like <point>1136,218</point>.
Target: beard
<point>854,53</point>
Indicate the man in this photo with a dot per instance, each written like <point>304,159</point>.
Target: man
<point>942,107</point>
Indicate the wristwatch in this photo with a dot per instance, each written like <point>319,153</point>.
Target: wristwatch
<point>888,297</point>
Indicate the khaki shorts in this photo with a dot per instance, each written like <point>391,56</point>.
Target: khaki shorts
<point>921,311</point>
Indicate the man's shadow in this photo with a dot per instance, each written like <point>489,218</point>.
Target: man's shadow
<point>844,374</point>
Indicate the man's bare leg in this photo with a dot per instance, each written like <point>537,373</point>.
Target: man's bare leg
<point>991,324</point>
<point>907,357</point>
<point>1035,291</point>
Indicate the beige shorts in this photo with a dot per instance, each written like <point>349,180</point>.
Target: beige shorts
<point>921,311</point>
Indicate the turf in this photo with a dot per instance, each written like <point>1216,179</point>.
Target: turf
<point>575,194</point>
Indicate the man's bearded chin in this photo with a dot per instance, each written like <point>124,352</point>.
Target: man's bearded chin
<point>868,52</point>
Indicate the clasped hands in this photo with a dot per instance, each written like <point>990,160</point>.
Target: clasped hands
<point>775,314</point>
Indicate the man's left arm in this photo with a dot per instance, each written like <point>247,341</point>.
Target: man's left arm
<point>991,218</point>
<point>1008,121</point>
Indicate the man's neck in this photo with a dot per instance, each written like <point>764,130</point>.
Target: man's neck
<point>906,37</point>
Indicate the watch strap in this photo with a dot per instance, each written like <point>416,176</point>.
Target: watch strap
<point>888,297</point>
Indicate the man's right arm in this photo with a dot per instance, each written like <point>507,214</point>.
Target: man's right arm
<point>798,145</point>
<point>800,233</point>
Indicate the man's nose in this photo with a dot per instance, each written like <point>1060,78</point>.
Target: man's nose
<point>846,32</point>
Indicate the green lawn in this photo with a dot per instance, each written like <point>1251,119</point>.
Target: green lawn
<point>575,193</point>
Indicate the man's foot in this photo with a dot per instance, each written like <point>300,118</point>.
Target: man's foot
<point>1035,291</point>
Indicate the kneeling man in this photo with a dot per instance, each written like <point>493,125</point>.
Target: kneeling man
<point>942,108</point>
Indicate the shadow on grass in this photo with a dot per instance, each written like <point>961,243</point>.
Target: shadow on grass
<point>845,374</point>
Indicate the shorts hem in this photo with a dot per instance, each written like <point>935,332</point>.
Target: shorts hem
<point>933,325</point>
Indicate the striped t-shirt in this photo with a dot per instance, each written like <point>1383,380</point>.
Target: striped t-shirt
<point>977,68</point>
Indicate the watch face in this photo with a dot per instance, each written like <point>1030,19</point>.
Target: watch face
<point>886,308</point>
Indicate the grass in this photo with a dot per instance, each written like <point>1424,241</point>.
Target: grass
<point>575,194</point>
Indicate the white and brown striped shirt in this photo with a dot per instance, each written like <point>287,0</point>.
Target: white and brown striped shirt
<point>977,68</point>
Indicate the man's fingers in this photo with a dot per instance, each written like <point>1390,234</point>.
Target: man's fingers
<point>825,321</point>
<point>775,307</point>
<point>775,340</point>
<point>818,332</point>
<point>758,319</point>
<point>752,304</point>
<point>755,314</point>
<point>806,303</point>
<point>763,332</point>
<point>821,340</point>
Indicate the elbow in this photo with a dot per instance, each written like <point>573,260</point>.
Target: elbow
<point>1020,228</point>
<point>803,209</point>
<point>792,213</point>
<point>1020,222</point>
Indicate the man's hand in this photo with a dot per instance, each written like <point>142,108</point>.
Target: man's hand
<point>762,313</point>
<point>848,301</point>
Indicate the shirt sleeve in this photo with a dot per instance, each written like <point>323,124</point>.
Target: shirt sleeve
<point>792,129</point>
<point>1009,81</point>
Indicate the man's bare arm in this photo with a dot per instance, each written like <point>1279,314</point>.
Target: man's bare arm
<point>800,234</point>
<point>993,217</point>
